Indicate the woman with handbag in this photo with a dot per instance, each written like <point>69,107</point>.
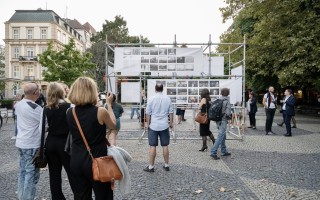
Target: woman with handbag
<point>205,128</point>
<point>93,121</point>
<point>55,116</point>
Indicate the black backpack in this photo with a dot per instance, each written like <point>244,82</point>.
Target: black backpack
<point>215,110</point>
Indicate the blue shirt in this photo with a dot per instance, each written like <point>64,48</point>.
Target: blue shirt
<point>158,108</point>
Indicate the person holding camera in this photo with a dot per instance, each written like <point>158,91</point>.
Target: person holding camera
<point>270,104</point>
<point>222,127</point>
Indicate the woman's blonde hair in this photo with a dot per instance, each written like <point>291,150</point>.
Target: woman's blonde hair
<point>54,94</point>
<point>83,91</point>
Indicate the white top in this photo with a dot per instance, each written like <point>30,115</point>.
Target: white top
<point>159,107</point>
<point>28,120</point>
<point>284,103</point>
<point>272,105</point>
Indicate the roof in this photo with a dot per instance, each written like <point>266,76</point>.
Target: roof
<point>89,28</point>
<point>34,16</point>
<point>75,24</point>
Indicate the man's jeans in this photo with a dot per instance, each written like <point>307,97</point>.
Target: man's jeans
<point>221,139</point>
<point>132,112</point>
<point>270,115</point>
<point>28,175</point>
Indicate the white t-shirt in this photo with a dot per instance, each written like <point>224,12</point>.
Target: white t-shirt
<point>28,120</point>
<point>272,105</point>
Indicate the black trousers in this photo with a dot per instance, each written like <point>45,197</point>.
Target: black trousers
<point>287,120</point>
<point>252,117</point>
<point>57,158</point>
<point>270,115</point>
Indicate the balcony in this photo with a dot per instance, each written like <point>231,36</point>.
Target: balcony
<point>28,58</point>
<point>29,78</point>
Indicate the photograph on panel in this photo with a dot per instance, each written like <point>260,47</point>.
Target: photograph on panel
<point>154,52</point>
<point>182,91</point>
<point>173,99</point>
<point>153,59</point>
<point>180,67</point>
<point>214,83</point>
<point>162,82</point>
<point>145,67</point>
<point>181,59</point>
<point>203,84</point>
<point>214,91</point>
<point>193,92</point>
<point>135,51</point>
<point>127,51</point>
<point>153,67</point>
<point>172,91</point>
<point>171,51</point>
<point>171,67</point>
<point>162,67</point>
<point>193,99</point>
<point>163,51</point>
<point>145,52</point>
<point>189,67</point>
<point>189,59</point>
<point>182,83</point>
<point>181,99</point>
<point>163,59</point>
<point>172,59</point>
<point>171,83</point>
<point>193,83</point>
<point>144,59</point>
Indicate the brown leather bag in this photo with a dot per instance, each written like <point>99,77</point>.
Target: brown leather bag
<point>104,169</point>
<point>201,118</point>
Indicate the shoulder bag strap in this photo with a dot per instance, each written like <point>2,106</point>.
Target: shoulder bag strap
<point>81,132</point>
<point>43,131</point>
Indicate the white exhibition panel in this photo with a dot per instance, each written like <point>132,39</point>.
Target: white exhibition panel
<point>187,91</point>
<point>111,80</point>
<point>130,92</point>
<point>165,61</point>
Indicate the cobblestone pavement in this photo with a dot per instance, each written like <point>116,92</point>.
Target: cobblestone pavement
<point>260,167</point>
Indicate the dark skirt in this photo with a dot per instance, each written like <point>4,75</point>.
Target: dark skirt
<point>205,129</point>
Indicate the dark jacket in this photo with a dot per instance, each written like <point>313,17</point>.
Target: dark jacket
<point>253,105</point>
<point>290,105</point>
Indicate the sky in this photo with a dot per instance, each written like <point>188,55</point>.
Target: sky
<point>190,20</point>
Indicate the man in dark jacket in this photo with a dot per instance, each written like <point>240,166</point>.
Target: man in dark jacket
<point>288,110</point>
<point>252,109</point>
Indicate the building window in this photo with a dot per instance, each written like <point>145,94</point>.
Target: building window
<point>16,52</point>
<point>16,72</point>
<point>59,35</point>
<point>29,34</point>
<point>64,38</point>
<point>30,52</point>
<point>15,88</point>
<point>30,71</point>
<point>43,49</point>
<point>43,34</point>
<point>16,34</point>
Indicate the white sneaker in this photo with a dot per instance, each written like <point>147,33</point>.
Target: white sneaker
<point>14,137</point>
<point>232,127</point>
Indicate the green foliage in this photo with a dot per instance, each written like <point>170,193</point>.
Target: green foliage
<point>66,65</point>
<point>283,41</point>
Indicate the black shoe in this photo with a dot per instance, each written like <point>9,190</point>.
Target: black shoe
<point>214,157</point>
<point>226,154</point>
<point>204,148</point>
<point>267,133</point>
<point>254,127</point>
<point>293,127</point>
<point>249,126</point>
<point>287,135</point>
<point>273,133</point>
<point>166,168</point>
<point>280,125</point>
<point>184,120</point>
<point>148,170</point>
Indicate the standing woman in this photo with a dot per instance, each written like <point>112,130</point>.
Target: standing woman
<point>205,128</point>
<point>55,112</point>
<point>93,121</point>
<point>252,109</point>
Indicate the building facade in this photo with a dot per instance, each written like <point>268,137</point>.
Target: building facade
<point>27,34</point>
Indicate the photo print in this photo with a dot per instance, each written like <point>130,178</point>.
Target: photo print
<point>182,84</point>
<point>171,67</point>
<point>126,51</point>
<point>153,67</point>
<point>193,99</point>
<point>203,84</point>
<point>144,59</point>
<point>180,67</point>
<point>214,91</point>
<point>180,59</point>
<point>171,83</point>
<point>145,67</point>
<point>145,52</point>
<point>162,67</point>
<point>153,59</point>
<point>181,99</point>
<point>135,51</point>
<point>189,59</point>
<point>182,91</point>
<point>163,51</point>
<point>154,52</point>
<point>172,91</point>
<point>172,59</point>
<point>173,99</point>
<point>188,68</point>
<point>162,82</point>
<point>171,51</point>
<point>163,59</point>
<point>193,83</point>
<point>193,92</point>
<point>214,83</point>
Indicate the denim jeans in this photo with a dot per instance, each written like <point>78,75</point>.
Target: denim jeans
<point>221,139</point>
<point>132,112</point>
<point>28,175</point>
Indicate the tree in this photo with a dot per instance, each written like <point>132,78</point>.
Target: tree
<point>66,65</point>
<point>283,40</point>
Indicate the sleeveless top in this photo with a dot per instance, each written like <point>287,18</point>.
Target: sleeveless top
<point>57,120</point>
<point>205,107</point>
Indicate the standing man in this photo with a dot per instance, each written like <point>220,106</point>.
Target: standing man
<point>28,140</point>
<point>252,109</point>
<point>158,109</point>
<point>269,102</point>
<point>288,110</point>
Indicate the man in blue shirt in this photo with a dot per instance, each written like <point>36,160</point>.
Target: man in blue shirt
<point>158,109</point>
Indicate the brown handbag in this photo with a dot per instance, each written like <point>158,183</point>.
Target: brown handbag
<point>104,169</point>
<point>201,118</point>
